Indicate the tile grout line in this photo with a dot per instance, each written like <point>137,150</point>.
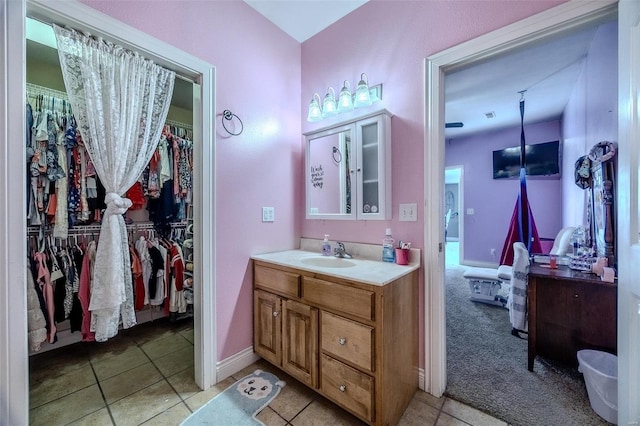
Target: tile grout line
<point>139,346</point>
<point>104,398</point>
<point>166,379</point>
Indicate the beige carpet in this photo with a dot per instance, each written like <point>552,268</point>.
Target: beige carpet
<point>487,367</point>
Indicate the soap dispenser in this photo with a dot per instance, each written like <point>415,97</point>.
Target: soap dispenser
<point>326,246</point>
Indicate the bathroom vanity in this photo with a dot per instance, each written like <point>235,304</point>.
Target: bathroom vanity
<point>347,328</point>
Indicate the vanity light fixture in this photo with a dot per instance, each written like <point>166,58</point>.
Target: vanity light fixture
<point>329,106</point>
<point>363,97</point>
<point>315,113</point>
<point>345,100</point>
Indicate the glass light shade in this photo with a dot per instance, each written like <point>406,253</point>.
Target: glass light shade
<point>345,100</point>
<point>315,113</point>
<point>329,107</point>
<point>363,97</point>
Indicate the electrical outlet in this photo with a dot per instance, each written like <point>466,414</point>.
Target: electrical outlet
<point>493,252</point>
<point>470,211</point>
<point>268,214</point>
<point>408,212</point>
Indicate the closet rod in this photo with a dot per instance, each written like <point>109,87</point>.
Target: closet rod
<point>34,89</point>
<point>184,126</point>
<point>92,229</point>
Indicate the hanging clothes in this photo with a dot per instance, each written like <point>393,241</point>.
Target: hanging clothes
<point>84,291</point>
<point>36,324</point>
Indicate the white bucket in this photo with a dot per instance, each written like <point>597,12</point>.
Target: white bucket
<point>600,370</point>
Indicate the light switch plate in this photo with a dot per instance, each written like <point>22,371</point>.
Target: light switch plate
<point>408,212</point>
<point>268,214</point>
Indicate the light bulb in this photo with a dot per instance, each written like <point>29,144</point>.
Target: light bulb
<point>345,100</point>
<point>363,97</point>
<point>315,112</point>
<point>329,107</point>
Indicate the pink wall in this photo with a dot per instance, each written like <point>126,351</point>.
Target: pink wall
<point>260,70</point>
<point>257,77</point>
<point>389,41</point>
<point>493,200</point>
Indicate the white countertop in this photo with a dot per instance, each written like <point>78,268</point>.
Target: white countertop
<point>364,270</point>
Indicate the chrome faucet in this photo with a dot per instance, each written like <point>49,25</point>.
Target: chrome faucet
<point>340,251</point>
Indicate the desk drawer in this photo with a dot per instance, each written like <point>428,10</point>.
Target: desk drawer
<point>347,340</point>
<point>350,300</point>
<point>281,282</point>
<point>348,387</point>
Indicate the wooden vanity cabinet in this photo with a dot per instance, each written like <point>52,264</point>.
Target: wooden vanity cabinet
<point>354,343</point>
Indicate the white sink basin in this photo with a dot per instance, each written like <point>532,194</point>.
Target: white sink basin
<point>328,262</point>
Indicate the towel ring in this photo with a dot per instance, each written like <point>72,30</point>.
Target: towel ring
<point>336,154</point>
<point>228,115</point>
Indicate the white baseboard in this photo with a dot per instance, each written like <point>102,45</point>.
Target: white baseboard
<point>478,264</point>
<point>235,363</point>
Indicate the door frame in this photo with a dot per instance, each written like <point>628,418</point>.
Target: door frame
<point>557,20</point>
<point>14,356</point>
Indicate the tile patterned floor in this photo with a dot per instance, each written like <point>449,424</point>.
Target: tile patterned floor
<point>145,376</point>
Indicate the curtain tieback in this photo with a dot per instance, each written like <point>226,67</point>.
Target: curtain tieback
<point>116,204</point>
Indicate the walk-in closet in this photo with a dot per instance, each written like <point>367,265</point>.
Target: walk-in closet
<point>77,373</point>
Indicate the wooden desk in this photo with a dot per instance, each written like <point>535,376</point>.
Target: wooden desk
<point>569,311</point>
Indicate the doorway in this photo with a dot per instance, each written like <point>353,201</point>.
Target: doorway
<point>14,385</point>
<point>453,190</point>
<point>560,19</point>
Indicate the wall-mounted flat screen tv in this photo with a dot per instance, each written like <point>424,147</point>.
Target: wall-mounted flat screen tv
<point>541,159</point>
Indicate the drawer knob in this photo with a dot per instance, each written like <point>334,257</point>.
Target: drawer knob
<point>342,388</point>
<point>342,340</point>
<point>276,313</point>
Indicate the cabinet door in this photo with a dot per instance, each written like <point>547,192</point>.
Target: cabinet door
<point>373,168</point>
<point>300,342</point>
<point>558,320</point>
<point>267,326</point>
<point>598,325</point>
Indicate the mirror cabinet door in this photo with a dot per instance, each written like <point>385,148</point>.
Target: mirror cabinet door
<point>329,162</point>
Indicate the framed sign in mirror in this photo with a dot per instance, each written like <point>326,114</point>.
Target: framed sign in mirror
<point>603,174</point>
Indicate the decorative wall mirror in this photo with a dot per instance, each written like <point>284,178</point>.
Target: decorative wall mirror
<point>603,174</point>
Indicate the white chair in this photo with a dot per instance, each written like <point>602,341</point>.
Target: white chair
<point>517,302</point>
<point>562,243</point>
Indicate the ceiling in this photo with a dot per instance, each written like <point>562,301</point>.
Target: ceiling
<point>486,96</point>
<point>302,19</point>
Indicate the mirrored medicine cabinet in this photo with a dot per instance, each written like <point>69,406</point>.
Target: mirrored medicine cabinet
<point>348,169</point>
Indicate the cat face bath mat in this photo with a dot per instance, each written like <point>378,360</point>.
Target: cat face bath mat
<point>239,403</point>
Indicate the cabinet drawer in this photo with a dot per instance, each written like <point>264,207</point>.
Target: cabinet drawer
<point>350,300</point>
<point>347,340</point>
<point>281,282</point>
<point>347,387</point>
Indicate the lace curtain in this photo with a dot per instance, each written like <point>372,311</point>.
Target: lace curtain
<point>120,101</point>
